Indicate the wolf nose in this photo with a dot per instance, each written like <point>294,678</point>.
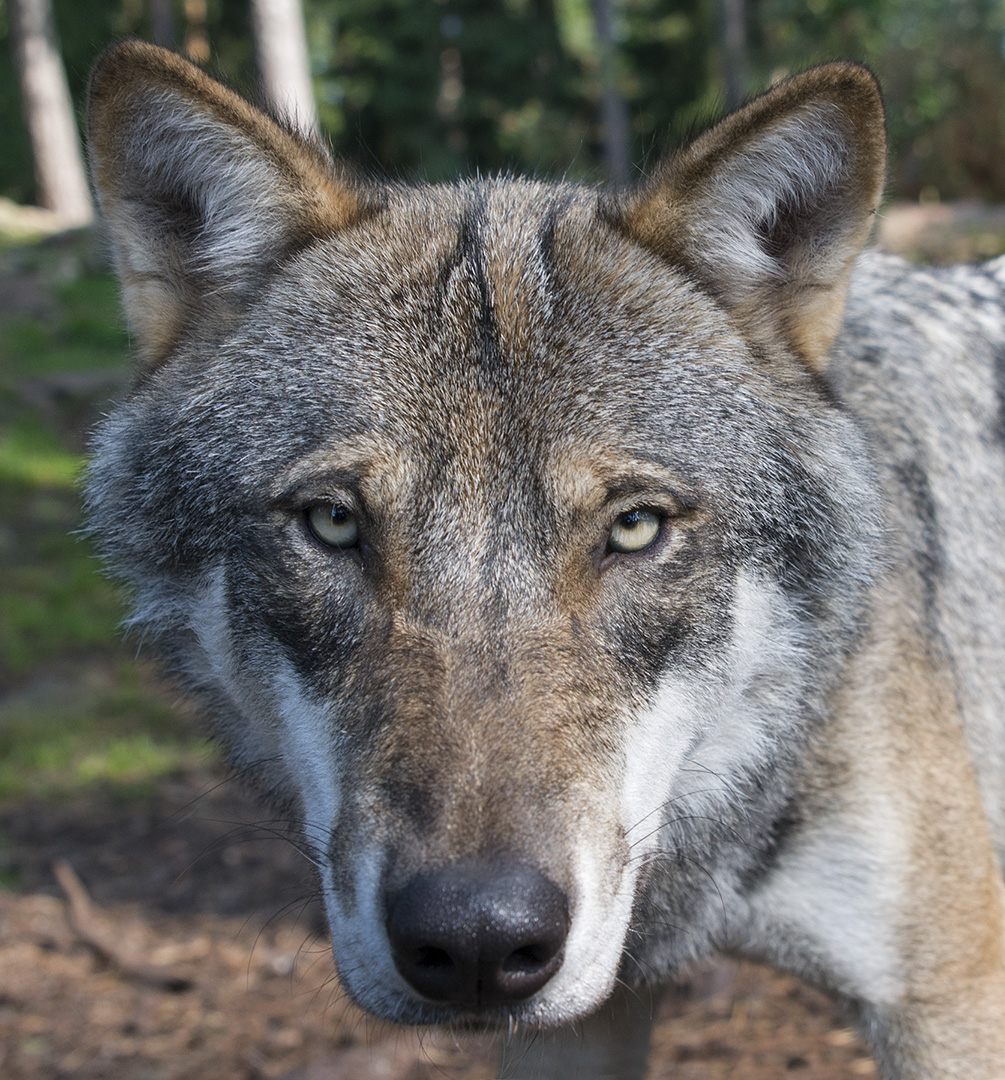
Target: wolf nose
<point>478,933</point>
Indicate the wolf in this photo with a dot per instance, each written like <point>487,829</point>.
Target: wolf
<point>602,580</point>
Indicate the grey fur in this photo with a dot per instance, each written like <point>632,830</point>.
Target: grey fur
<point>758,733</point>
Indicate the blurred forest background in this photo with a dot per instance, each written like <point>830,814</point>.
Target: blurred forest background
<point>434,87</point>
<point>99,764</point>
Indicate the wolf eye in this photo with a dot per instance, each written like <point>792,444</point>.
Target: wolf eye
<point>634,531</point>
<point>333,524</point>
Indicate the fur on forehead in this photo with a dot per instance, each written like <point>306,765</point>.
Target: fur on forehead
<point>205,196</point>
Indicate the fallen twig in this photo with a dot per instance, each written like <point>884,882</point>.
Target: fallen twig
<point>80,916</point>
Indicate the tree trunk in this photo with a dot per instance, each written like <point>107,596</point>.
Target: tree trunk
<point>281,48</point>
<point>163,24</point>
<point>196,31</point>
<point>613,112</point>
<point>733,31</point>
<point>48,110</point>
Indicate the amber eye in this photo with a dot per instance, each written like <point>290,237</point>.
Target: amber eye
<point>333,524</point>
<point>634,531</point>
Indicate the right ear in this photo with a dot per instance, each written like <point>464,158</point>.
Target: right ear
<point>770,208</point>
<point>201,192</point>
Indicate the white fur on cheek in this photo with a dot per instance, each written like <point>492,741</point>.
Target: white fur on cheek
<point>657,744</point>
<point>703,728</point>
<point>210,625</point>
<point>283,719</point>
<point>711,723</point>
<point>278,714</point>
<point>757,704</point>
<point>708,729</point>
<point>310,753</point>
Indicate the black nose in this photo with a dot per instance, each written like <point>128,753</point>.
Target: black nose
<point>478,933</point>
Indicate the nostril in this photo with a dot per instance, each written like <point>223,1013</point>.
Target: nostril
<point>478,933</point>
<point>529,958</point>
<point>434,959</point>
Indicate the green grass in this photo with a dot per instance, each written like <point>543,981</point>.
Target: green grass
<point>33,458</point>
<point>76,710</point>
<point>86,331</point>
<point>71,761</point>
<point>53,601</point>
<point>54,598</point>
<point>99,727</point>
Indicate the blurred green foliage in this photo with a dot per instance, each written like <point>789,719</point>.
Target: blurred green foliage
<point>439,87</point>
<point>429,88</point>
<point>76,709</point>
<point>942,68</point>
<point>52,599</point>
<point>109,731</point>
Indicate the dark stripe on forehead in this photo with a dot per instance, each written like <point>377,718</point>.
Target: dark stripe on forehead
<point>546,233</point>
<point>489,353</point>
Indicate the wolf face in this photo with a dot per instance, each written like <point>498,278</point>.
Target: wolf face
<point>510,532</point>
<point>484,531</point>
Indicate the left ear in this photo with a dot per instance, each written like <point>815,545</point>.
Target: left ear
<point>204,196</point>
<point>770,207</point>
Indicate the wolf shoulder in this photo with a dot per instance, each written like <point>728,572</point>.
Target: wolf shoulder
<point>920,362</point>
<point>921,353</point>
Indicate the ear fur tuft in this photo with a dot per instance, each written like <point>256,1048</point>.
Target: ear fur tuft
<point>770,207</point>
<point>200,190</point>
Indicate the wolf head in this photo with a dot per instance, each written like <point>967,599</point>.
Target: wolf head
<point>494,523</point>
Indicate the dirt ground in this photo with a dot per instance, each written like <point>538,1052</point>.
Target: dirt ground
<point>193,884</point>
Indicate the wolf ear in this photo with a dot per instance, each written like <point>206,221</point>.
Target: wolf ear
<point>770,207</point>
<point>202,193</point>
